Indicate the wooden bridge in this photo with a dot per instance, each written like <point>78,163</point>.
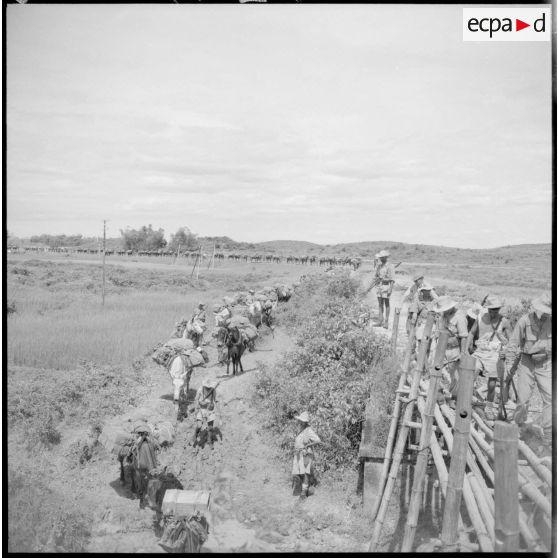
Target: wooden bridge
<point>473,483</point>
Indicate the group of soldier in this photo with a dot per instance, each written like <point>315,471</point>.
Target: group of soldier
<point>522,355</point>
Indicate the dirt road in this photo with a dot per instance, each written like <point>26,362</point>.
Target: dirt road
<point>263,504</point>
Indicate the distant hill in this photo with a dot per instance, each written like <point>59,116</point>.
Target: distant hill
<point>520,254</point>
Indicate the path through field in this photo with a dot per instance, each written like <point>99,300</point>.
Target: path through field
<point>263,504</point>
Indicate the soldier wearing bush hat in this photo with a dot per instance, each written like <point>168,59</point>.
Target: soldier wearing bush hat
<point>384,278</point>
<point>303,460</point>
<point>143,449</point>
<point>417,295</point>
<point>454,322</point>
<point>530,346</point>
<point>489,335</point>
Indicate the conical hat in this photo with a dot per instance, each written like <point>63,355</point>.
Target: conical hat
<point>303,417</point>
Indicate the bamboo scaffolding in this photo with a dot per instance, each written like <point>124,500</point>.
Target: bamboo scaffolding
<point>402,435</point>
<point>526,487</point>
<point>394,421</point>
<point>505,487</point>
<point>535,462</point>
<point>395,330</point>
<point>459,452</point>
<point>483,536</point>
<point>424,444</point>
<point>486,512</point>
<point>530,537</point>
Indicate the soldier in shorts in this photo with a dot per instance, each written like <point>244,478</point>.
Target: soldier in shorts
<point>492,331</point>
<point>384,280</point>
<point>530,345</point>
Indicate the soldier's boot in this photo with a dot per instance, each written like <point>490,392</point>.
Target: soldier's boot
<point>210,436</point>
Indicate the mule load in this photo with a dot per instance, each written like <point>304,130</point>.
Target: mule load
<point>248,331</point>
<point>189,328</point>
<point>180,363</point>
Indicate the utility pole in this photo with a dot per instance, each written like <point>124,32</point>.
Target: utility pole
<point>104,250</point>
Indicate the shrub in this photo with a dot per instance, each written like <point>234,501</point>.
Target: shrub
<point>330,373</point>
<point>40,520</point>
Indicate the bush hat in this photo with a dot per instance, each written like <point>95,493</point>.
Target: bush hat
<point>443,304</point>
<point>209,383</point>
<point>201,305</point>
<point>475,310</point>
<point>426,287</point>
<point>493,302</point>
<point>383,254</point>
<point>418,276</point>
<point>303,417</point>
<point>543,304</point>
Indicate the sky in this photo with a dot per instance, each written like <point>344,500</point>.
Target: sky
<point>324,123</point>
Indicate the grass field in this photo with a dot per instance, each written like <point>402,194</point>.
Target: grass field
<point>59,321</point>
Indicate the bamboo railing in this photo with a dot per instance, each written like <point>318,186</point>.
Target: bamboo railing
<point>499,507</point>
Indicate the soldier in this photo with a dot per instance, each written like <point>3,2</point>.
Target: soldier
<point>454,322</point>
<point>417,295</point>
<point>303,460</point>
<point>205,402</point>
<point>492,331</point>
<point>384,280</point>
<point>530,346</point>
<point>199,313</point>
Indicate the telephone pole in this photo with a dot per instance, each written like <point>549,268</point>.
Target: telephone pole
<point>104,250</point>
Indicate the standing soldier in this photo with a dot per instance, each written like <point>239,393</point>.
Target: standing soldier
<point>417,295</point>
<point>144,459</point>
<point>199,313</point>
<point>454,322</point>
<point>205,402</point>
<point>492,331</point>
<point>384,280</point>
<point>303,459</point>
<point>531,345</point>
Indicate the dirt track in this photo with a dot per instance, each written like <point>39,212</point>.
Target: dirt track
<point>261,485</point>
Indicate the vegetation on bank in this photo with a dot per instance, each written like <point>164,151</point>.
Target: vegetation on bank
<point>332,372</point>
<point>41,520</point>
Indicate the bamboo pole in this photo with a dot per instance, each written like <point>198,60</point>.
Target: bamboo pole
<point>505,487</point>
<point>487,514</point>
<point>535,462</point>
<point>526,487</point>
<point>482,536</point>
<point>393,426</point>
<point>395,330</point>
<point>459,451</point>
<point>402,436</point>
<point>424,444</point>
<point>530,537</point>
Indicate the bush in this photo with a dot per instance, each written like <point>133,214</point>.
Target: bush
<point>39,520</point>
<point>330,373</point>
